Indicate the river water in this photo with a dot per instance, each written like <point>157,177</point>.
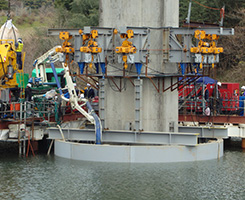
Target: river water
<point>51,177</point>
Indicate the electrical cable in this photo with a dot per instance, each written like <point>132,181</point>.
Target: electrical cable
<point>205,6</point>
<point>15,40</point>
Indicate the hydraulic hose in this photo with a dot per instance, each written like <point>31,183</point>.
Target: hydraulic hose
<point>98,129</point>
<point>56,77</point>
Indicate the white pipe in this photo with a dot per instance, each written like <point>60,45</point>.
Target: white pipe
<point>61,132</point>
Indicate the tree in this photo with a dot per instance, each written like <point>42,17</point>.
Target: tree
<point>35,4</point>
<point>232,61</point>
<point>84,13</point>
<point>81,13</point>
<point>202,11</point>
<point>66,4</point>
<point>3,5</point>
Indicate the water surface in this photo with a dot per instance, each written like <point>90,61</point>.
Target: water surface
<point>51,177</point>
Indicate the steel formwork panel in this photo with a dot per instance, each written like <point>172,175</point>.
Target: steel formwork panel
<point>180,53</point>
<point>173,50</point>
<point>104,40</point>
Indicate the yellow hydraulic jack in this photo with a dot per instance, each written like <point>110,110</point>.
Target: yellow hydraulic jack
<point>206,45</point>
<point>92,45</point>
<point>66,46</point>
<point>127,46</point>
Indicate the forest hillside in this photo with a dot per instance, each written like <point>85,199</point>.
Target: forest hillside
<point>34,17</point>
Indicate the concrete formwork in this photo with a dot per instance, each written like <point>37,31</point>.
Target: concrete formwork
<point>138,154</point>
<point>160,110</point>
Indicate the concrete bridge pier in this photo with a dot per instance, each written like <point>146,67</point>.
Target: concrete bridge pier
<point>159,109</point>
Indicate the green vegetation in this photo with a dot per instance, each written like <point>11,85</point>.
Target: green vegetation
<point>207,14</point>
<point>232,61</point>
<point>66,4</point>
<point>36,4</point>
<point>85,13</point>
<point>3,5</point>
<point>78,13</point>
<point>34,17</point>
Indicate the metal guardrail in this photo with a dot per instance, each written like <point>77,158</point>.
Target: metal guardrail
<point>27,109</point>
<point>224,106</point>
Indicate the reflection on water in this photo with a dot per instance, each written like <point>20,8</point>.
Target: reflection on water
<point>44,177</point>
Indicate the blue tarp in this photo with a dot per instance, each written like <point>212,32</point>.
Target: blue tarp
<point>205,80</point>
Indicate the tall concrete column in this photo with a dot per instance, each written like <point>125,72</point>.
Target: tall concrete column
<point>170,107</point>
<point>160,109</point>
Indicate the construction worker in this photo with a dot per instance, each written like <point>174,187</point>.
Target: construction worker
<point>86,90</point>
<point>28,92</point>
<point>241,102</point>
<point>28,96</point>
<point>206,93</point>
<point>206,102</point>
<point>19,47</point>
<point>242,91</point>
<point>81,94</point>
<point>90,92</point>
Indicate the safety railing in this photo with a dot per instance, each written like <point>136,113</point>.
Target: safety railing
<point>212,106</point>
<point>28,109</point>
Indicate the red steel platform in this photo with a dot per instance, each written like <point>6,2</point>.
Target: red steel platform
<point>220,119</point>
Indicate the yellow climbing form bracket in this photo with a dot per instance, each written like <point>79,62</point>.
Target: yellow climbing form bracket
<point>90,46</point>
<point>66,49</point>
<point>206,52</point>
<point>127,48</point>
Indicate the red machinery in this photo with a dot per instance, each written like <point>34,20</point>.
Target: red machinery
<point>229,93</point>
<point>196,97</point>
